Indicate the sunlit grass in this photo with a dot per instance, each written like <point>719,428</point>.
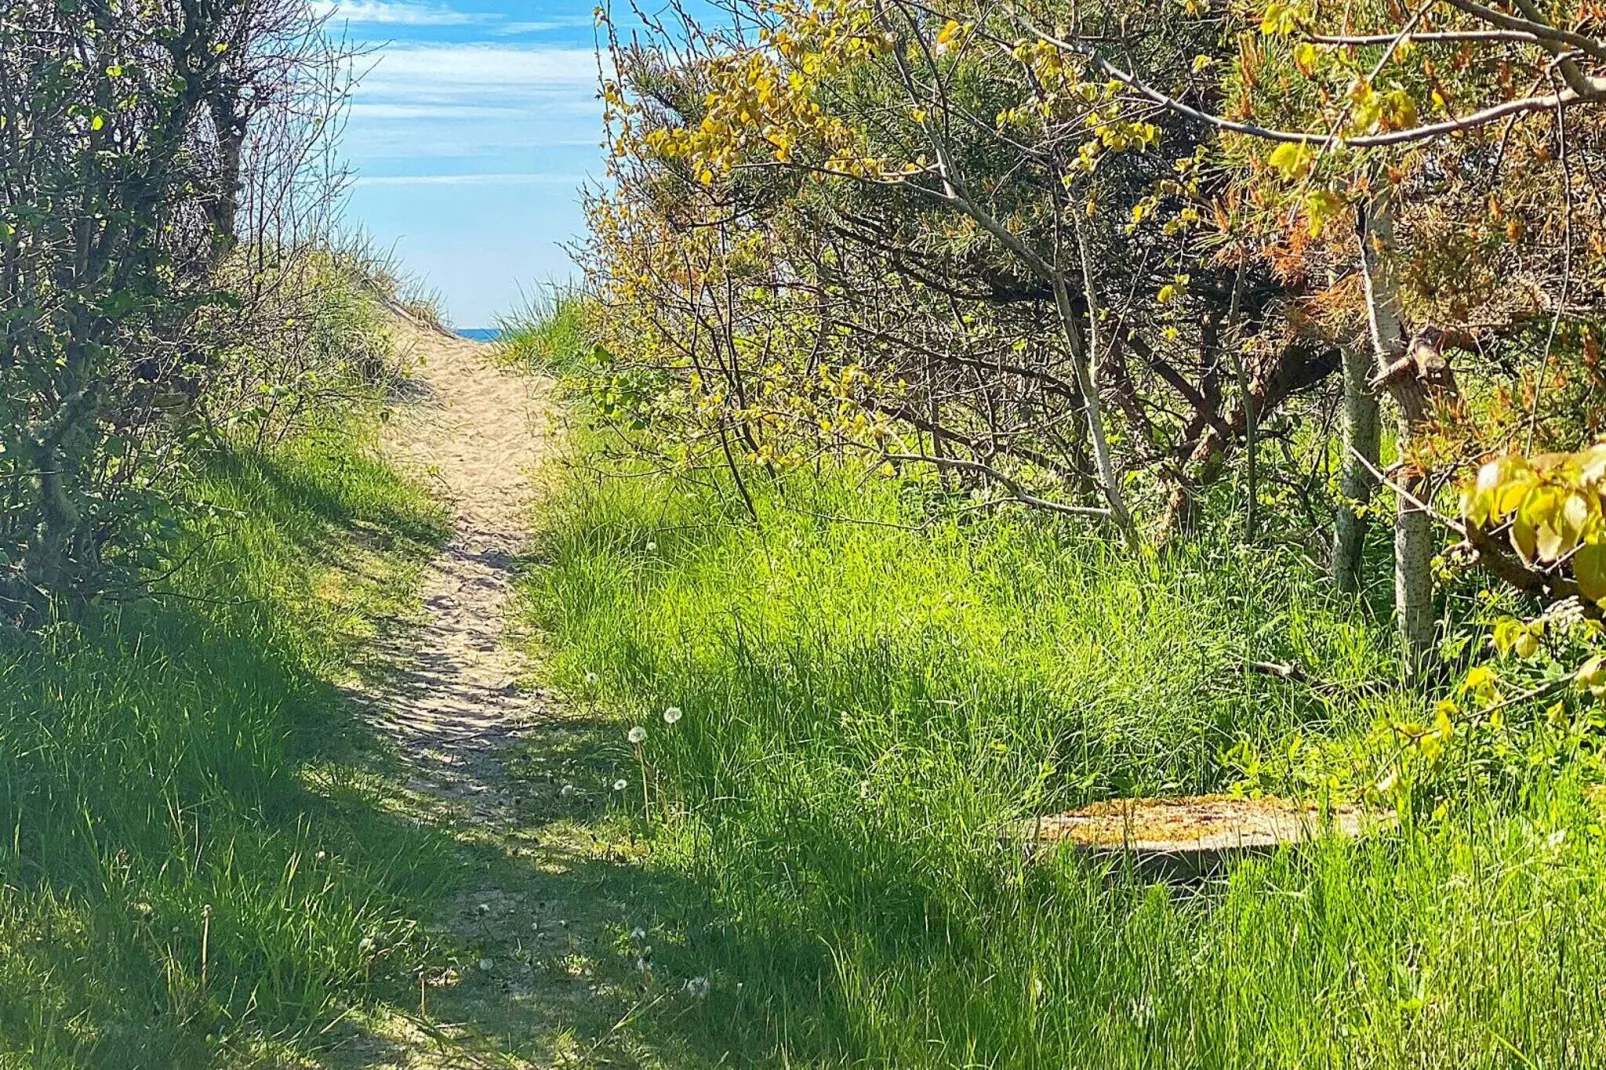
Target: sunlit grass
<point>174,887</point>
<point>546,334</point>
<point>872,705</point>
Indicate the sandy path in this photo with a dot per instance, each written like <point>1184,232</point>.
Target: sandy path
<point>476,432</point>
<point>492,759</point>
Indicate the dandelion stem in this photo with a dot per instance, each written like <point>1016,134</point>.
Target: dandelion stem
<point>646,803</point>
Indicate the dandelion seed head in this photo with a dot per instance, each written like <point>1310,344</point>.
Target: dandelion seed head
<point>672,714</point>
<point>637,734</point>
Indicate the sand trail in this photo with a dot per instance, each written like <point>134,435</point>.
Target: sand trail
<point>452,704</point>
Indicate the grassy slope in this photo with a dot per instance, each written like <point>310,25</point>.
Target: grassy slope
<point>195,856</point>
<point>866,707</point>
<point>547,333</point>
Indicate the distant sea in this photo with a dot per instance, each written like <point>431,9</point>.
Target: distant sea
<point>481,334</point>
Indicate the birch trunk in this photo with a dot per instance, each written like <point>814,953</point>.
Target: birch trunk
<point>1362,438</point>
<point>1087,382</point>
<point>1085,354</point>
<point>1413,529</point>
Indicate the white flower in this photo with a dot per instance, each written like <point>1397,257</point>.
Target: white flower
<point>591,677</point>
<point>637,734</point>
<point>638,934</point>
<point>568,790</point>
<point>698,987</point>
<point>651,546</point>
<point>621,784</point>
<point>671,715</point>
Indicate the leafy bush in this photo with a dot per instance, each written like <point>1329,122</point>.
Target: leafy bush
<point>142,228</point>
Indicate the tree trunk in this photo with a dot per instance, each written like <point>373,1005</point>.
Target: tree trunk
<point>1413,529</point>
<point>1362,435</point>
<point>1084,355</point>
<point>230,131</point>
<point>1195,475</point>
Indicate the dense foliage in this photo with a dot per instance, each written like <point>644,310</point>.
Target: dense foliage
<point>1096,258</point>
<point>161,173</point>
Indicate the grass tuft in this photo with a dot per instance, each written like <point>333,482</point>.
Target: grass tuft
<point>548,333</point>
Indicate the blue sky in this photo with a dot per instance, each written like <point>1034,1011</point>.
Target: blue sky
<point>470,137</point>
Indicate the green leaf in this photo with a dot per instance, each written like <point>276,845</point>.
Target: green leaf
<point>1589,569</point>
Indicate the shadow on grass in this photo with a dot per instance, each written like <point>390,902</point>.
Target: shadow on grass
<point>567,945</point>
<point>198,854</point>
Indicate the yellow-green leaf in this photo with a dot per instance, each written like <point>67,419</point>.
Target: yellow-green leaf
<point>1589,569</point>
<point>1291,159</point>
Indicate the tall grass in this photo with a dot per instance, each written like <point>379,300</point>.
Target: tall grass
<point>548,332</point>
<point>194,858</point>
<point>871,708</point>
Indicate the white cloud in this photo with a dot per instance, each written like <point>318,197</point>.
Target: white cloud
<point>532,178</point>
<point>473,68</point>
<point>455,100</point>
<point>393,13</point>
<point>510,29</point>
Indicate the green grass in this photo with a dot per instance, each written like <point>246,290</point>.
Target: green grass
<point>196,863</point>
<point>548,333</point>
<point>871,707</point>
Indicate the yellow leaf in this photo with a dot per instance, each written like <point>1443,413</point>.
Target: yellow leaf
<point>1505,630</point>
<point>1321,206</point>
<point>1524,539</point>
<point>1539,511</point>
<point>1589,569</point>
<point>1291,159</point>
<point>1279,18</point>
